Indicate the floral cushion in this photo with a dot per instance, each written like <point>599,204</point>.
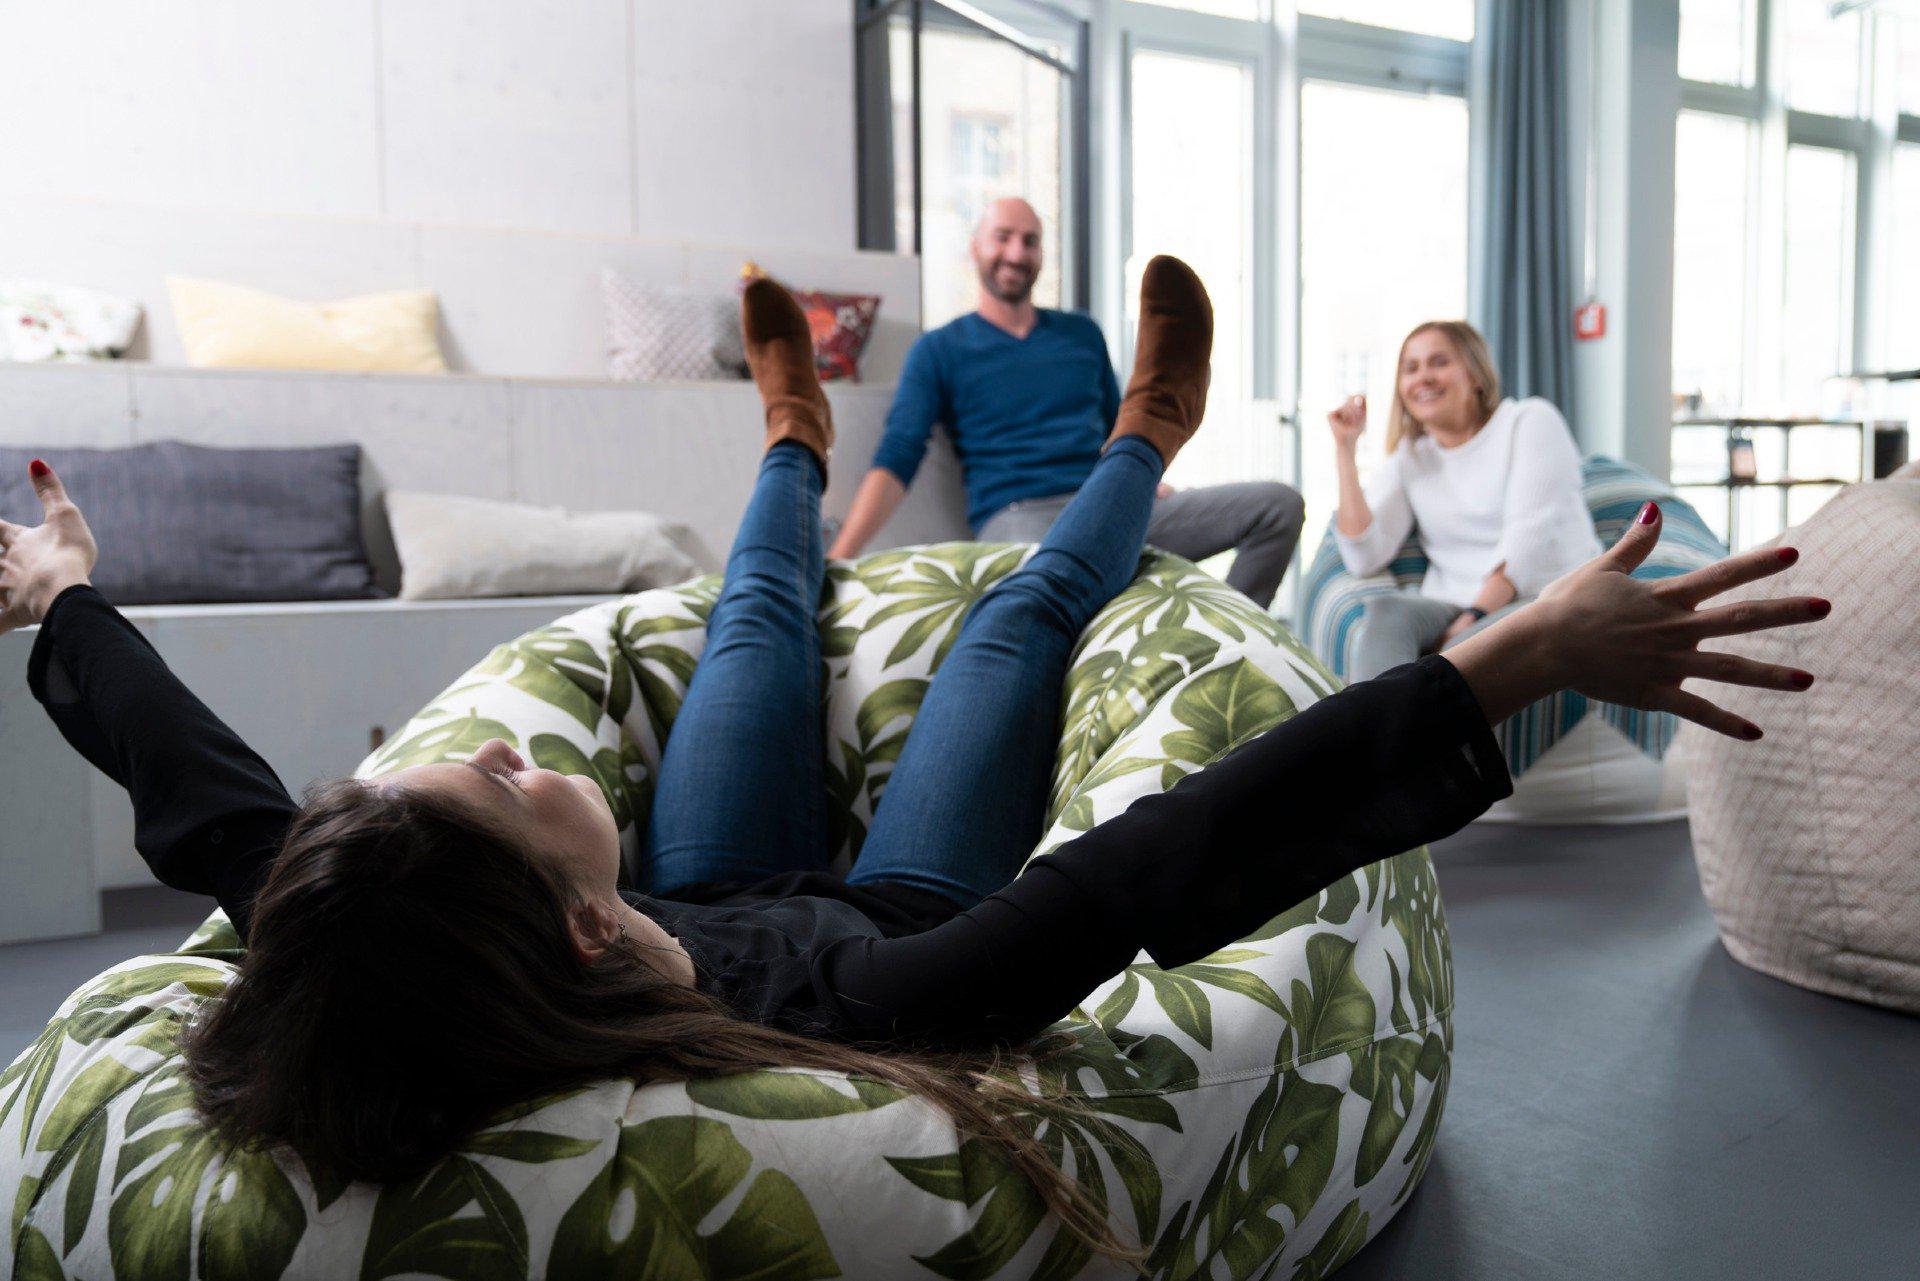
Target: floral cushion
<point>62,322</point>
<point>1262,1112</point>
<point>841,325</point>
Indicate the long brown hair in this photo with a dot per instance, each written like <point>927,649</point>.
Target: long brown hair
<point>409,974</point>
<point>1471,350</point>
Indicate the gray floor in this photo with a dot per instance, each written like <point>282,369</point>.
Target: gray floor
<point>36,977</point>
<point>1627,1101</point>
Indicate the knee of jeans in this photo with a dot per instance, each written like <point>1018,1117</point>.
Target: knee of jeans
<point>1037,598</point>
<point>760,594</point>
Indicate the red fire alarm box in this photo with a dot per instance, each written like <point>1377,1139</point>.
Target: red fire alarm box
<point>1590,320</point>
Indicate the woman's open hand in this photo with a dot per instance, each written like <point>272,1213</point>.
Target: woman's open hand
<point>1348,421</point>
<point>1615,638</point>
<point>38,562</point>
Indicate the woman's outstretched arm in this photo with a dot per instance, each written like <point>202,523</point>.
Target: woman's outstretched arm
<point>209,814</point>
<point>1380,767</point>
<point>1377,768</point>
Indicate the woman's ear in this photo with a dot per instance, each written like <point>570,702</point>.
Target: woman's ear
<point>592,927</point>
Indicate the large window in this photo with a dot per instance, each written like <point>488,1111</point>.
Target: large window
<point>1191,198</point>
<point>1790,243</point>
<point>1383,246</point>
<point>1717,41</point>
<point>1817,320</point>
<point>1710,237</point>
<point>1309,158</point>
<point>1452,19</point>
<point>1318,181</point>
<point>1822,57</point>
<point>1903,301</point>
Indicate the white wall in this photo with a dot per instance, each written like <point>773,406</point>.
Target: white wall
<point>716,120</point>
<point>498,151</point>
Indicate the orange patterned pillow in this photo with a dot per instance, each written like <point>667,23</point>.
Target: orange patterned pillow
<point>841,323</point>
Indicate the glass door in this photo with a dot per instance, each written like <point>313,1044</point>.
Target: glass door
<point>960,103</point>
<point>1197,100</point>
<point>1383,247</point>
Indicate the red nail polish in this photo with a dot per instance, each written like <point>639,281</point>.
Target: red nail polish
<point>1787,555</point>
<point>1803,679</point>
<point>1821,608</point>
<point>1751,733</point>
<point>38,468</point>
<point>1649,514</point>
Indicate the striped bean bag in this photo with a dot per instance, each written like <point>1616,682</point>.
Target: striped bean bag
<point>1598,775</point>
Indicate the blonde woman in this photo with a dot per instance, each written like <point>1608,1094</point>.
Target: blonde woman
<point>1493,486</point>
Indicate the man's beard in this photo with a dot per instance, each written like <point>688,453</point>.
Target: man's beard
<point>989,280</point>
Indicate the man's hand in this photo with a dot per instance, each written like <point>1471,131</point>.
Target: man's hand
<point>39,562</point>
<point>1461,622</point>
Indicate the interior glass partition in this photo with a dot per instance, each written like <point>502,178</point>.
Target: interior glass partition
<point>961,104</point>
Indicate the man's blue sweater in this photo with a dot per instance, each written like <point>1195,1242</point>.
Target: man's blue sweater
<point>1027,415</point>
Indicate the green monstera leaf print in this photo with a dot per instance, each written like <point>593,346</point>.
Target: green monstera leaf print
<point>454,739</point>
<point>642,1216</point>
<point>1258,1113</point>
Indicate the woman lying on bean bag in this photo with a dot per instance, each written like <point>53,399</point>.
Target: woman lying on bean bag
<point>430,947</point>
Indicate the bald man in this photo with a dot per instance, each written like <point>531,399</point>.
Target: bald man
<point>1028,396</point>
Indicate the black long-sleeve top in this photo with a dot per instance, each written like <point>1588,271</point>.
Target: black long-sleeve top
<point>1377,768</point>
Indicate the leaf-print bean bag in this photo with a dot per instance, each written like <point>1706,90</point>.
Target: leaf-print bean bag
<point>1262,1112</point>
<point>1573,760</point>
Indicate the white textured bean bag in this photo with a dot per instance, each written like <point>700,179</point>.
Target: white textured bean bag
<point>1262,1112</point>
<point>1808,841</point>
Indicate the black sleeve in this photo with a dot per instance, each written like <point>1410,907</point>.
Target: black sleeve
<point>1378,768</point>
<point>208,813</point>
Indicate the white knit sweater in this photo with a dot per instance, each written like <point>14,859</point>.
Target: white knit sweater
<point>1510,495</point>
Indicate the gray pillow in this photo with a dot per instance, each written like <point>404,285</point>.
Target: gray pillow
<point>181,523</point>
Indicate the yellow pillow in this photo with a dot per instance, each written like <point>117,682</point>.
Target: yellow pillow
<point>231,326</point>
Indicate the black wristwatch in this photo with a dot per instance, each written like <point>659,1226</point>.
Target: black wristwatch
<point>1476,611</point>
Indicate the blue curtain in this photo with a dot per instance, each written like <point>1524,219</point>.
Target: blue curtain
<point>1523,301</point>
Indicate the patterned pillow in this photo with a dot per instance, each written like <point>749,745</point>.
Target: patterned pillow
<point>841,323</point>
<point>59,322</point>
<point>656,332</point>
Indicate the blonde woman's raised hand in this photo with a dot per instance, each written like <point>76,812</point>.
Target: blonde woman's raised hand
<point>38,562</point>
<point>1348,421</point>
<point>1616,638</point>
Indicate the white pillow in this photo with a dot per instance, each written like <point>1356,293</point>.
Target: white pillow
<point>453,546</point>
<point>62,322</point>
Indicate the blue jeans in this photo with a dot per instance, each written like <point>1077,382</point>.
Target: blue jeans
<point>741,795</point>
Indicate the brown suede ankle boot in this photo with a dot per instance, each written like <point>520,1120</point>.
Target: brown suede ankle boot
<point>1171,359</point>
<point>780,355</point>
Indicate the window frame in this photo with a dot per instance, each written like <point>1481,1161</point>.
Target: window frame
<point>1776,127</point>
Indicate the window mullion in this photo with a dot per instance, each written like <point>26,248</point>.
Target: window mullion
<point>1767,214</point>
<point>1873,220</point>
